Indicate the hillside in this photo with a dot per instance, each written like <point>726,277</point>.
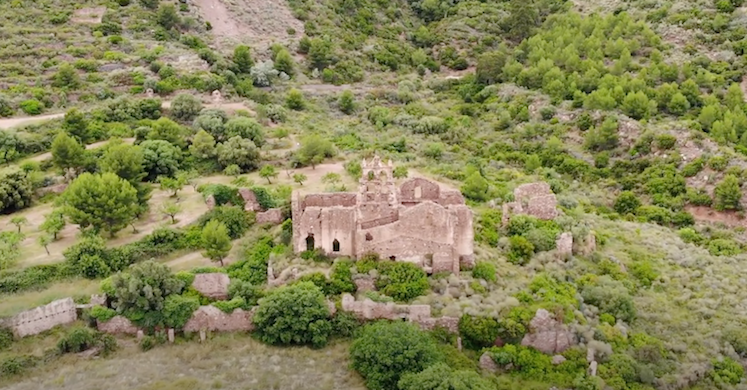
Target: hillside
<point>132,130</point>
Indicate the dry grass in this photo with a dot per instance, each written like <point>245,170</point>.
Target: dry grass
<point>229,361</point>
<point>13,304</point>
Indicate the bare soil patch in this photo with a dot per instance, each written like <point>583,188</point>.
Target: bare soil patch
<point>257,22</point>
<point>709,215</point>
<point>89,15</point>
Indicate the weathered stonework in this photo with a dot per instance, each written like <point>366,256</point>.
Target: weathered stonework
<point>535,199</point>
<point>212,285</point>
<point>564,245</point>
<point>421,314</point>
<point>39,319</point>
<point>487,363</point>
<point>213,319</point>
<point>548,335</point>
<point>117,325</point>
<point>271,216</point>
<point>363,284</point>
<point>417,222</point>
<point>250,200</point>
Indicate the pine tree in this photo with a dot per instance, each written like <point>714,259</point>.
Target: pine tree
<point>216,241</point>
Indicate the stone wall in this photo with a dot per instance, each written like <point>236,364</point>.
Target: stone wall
<point>420,314</point>
<point>39,319</point>
<point>212,285</point>
<point>272,216</point>
<point>343,199</point>
<point>210,318</point>
<point>117,325</point>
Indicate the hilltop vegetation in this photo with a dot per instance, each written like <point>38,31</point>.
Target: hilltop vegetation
<point>633,112</point>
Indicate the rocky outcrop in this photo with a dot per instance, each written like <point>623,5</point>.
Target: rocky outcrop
<point>548,335</point>
<point>271,216</point>
<point>363,284</point>
<point>487,363</point>
<point>421,314</point>
<point>564,245</point>
<point>212,285</point>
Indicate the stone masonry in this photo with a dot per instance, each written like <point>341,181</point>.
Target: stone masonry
<point>417,222</point>
<point>548,335</point>
<point>117,325</point>
<point>420,314</point>
<point>213,319</point>
<point>535,199</point>
<point>271,216</point>
<point>212,285</point>
<point>42,318</point>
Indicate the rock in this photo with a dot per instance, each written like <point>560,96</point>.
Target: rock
<point>593,368</point>
<point>98,300</point>
<point>558,359</point>
<point>364,284</point>
<point>171,335</point>
<point>111,67</point>
<point>564,245</point>
<point>203,336</point>
<point>250,200</point>
<point>487,363</point>
<point>271,216</point>
<point>548,335</point>
<point>210,202</point>
<point>212,285</point>
<point>459,344</point>
<point>140,335</point>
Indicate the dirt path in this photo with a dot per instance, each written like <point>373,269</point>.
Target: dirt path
<point>48,155</point>
<point>8,123</point>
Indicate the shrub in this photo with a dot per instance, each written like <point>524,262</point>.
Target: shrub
<point>76,340</point>
<point>178,309</point>
<point>724,247</point>
<point>383,352</point>
<point>141,292</point>
<point>236,220</point>
<point>402,281</point>
<point>14,365</point>
<point>611,297</point>
<point>520,251</point>
<point>627,203</point>
<point>230,306</point>
<point>222,193</point>
<point>6,338</point>
<point>666,141</point>
<point>484,270</point>
<point>341,278</point>
<point>32,107</point>
<point>102,313</point>
<point>295,100</point>
<point>295,314</point>
<point>728,194</point>
<point>253,268</point>
<point>727,371</point>
<point>478,332</point>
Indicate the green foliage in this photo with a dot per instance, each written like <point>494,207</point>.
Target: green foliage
<point>239,151</point>
<point>178,309</point>
<point>341,278</point>
<point>67,152</point>
<point>627,203</point>
<point>402,281</point>
<point>476,187</point>
<point>724,247</point>
<point>216,241</point>
<point>253,267</point>
<point>66,77</point>
<point>234,218</point>
<point>248,293</point>
<point>604,136</point>
<point>77,340</point>
<point>611,297</point>
<point>484,270</point>
<point>520,250</point>
<point>160,158</point>
<point>230,306</point>
<point>268,172</point>
<point>103,202</point>
<point>383,352</point>
<point>6,338</point>
<point>141,292</point>
<point>728,194</point>
<point>102,313</point>
<point>314,149</point>
<point>243,59</point>
<point>16,191</point>
<point>478,332</point>
<point>727,371</point>
<point>222,194</point>
<point>442,376</point>
<point>247,128</point>
<point>125,161</point>
<point>346,102</point>
<point>636,105</point>
<point>203,145</point>
<point>167,130</point>
<point>295,314</point>
<point>295,100</point>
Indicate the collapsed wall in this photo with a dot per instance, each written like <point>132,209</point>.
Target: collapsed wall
<point>42,318</point>
<point>419,314</point>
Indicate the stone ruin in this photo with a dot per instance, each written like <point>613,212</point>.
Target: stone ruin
<point>212,285</point>
<point>548,335</point>
<point>117,325</point>
<point>217,97</point>
<point>418,222</point>
<point>42,318</point>
<point>420,314</point>
<point>272,216</point>
<point>210,318</point>
<point>535,199</point>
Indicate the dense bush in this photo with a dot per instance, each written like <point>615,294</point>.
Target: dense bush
<point>236,220</point>
<point>253,267</point>
<point>402,281</point>
<point>478,332</point>
<point>484,270</point>
<point>295,314</point>
<point>442,376</point>
<point>15,191</point>
<point>77,340</point>
<point>341,278</point>
<point>141,292</point>
<point>178,309</point>
<point>383,352</point>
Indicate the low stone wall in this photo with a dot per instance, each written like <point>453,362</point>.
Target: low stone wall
<point>42,318</point>
<point>117,325</point>
<point>420,314</point>
<point>213,319</point>
<point>272,216</point>
<point>212,285</point>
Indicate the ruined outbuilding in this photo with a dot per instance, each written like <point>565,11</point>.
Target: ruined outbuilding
<point>535,199</point>
<point>418,222</point>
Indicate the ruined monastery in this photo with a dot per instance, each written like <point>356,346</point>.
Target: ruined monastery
<point>418,222</point>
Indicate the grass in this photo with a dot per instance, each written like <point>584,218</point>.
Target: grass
<point>14,304</point>
<point>227,361</point>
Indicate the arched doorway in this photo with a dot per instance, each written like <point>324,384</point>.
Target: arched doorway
<point>310,242</point>
<point>335,246</point>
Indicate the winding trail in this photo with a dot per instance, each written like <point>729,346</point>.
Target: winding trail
<point>9,123</point>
